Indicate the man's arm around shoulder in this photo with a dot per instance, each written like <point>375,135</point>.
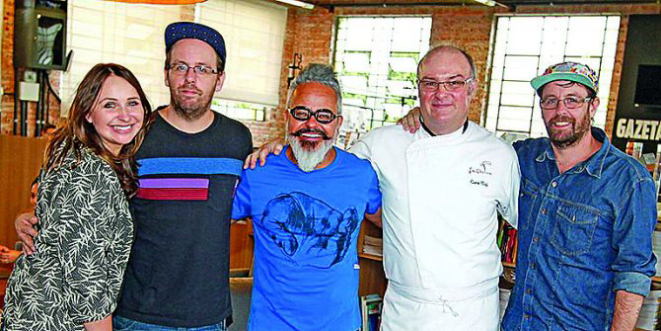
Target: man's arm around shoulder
<point>24,225</point>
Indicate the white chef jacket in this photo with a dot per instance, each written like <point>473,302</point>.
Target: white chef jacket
<point>441,195</point>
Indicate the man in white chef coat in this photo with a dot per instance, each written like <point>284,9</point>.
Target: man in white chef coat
<point>442,189</point>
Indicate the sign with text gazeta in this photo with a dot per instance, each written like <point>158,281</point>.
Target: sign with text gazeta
<point>638,129</point>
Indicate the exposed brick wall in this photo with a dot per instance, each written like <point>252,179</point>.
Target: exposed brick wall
<point>310,33</point>
<point>7,67</point>
<point>617,75</point>
<point>262,132</point>
<point>469,27</point>
<point>8,72</point>
<point>8,76</point>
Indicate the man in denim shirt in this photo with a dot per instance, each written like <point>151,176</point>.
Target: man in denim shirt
<point>587,212</point>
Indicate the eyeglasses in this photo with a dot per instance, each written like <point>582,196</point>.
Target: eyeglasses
<point>569,102</point>
<point>430,85</point>
<point>302,113</point>
<point>181,69</point>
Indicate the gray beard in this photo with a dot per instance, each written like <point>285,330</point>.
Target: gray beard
<point>307,159</point>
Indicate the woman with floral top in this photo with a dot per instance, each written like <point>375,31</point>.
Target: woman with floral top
<point>85,228</point>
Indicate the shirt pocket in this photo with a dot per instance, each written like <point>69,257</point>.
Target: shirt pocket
<point>573,229</point>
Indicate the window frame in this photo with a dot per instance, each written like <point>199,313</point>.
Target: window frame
<point>536,126</point>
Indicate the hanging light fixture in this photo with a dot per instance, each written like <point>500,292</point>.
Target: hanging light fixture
<point>162,2</point>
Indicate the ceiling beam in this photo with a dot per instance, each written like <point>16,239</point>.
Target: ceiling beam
<point>331,6</point>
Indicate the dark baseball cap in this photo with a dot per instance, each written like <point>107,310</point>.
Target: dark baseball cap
<point>189,30</point>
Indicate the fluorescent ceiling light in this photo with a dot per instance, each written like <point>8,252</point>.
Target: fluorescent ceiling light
<point>489,3</point>
<point>297,3</point>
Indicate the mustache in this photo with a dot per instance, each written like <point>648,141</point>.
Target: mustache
<point>190,87</point>
<point>302,131</point>
<point>561,118</point>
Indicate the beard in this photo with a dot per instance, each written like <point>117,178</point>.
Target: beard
<point>309,154</point>
<point>188,109</point>
<point>579,128</point>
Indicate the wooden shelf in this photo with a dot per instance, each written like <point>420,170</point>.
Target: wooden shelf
<point>372,275</point>
<point>370,256</point>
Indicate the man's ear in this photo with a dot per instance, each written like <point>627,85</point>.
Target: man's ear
<point>166,75</point>
<point>472,87</point>
<point>594,104</point>
<point>340,120</point>
<point>219,81</point>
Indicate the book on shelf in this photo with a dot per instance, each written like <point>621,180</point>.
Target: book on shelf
<point>635,149</point>
<point>370,308</point>
<point>373,245</point>
<point>507,242</point>
<point>656,172</point>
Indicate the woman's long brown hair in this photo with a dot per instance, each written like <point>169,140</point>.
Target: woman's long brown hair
<point>77,133</point>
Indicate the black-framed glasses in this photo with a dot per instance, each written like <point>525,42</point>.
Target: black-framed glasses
<point>430,85</point>
<point>181,69</point>
<point>302,113</point>
<point>569,102</point>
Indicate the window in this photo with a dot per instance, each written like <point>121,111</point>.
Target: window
<point>242,111</point>
<point>254,34</point>
<point>376,61</point>
<point>132,35</point>
<point>525,46</point>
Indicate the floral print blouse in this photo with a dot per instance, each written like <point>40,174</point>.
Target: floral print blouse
<point>83,245</point>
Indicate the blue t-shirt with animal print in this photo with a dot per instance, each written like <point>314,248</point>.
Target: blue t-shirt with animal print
<point>306,226</point>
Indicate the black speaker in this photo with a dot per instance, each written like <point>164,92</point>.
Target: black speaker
<point>40,30</point>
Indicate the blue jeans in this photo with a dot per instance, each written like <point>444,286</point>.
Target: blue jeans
<point>124,324</point>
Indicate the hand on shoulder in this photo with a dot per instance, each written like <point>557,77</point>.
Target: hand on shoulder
<point>274,146</point>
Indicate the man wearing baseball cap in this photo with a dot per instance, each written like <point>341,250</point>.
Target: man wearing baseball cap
<point>587,212</point>
<point>190,162</point>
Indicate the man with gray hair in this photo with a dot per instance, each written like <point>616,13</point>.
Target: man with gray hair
<point>307,205</point>
<point>442,190</point>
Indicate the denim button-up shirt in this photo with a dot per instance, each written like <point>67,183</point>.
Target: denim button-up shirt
<point>583,235</point>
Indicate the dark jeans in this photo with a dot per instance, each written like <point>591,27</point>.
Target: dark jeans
<point>124,324</point>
